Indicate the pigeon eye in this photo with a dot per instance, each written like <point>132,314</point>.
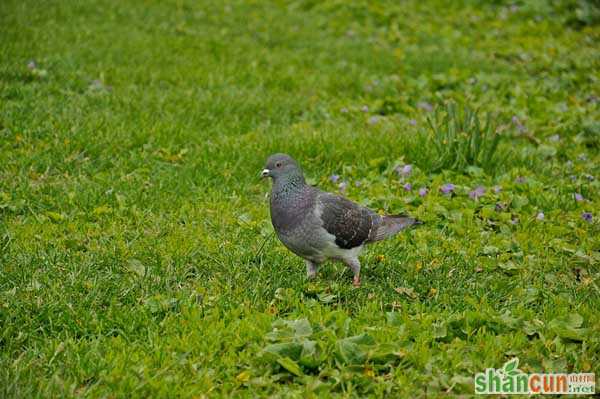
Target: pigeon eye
<point>278,164</point>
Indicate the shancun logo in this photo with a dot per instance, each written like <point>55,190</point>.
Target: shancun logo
<point>510,380</point>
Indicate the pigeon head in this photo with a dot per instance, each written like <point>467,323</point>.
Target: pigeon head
<point>282,166</point>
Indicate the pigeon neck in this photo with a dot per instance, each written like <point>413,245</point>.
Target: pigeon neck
<point>288,184</point>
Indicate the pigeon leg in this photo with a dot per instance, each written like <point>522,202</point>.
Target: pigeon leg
<point>311,269</point>
<point>354,265</point>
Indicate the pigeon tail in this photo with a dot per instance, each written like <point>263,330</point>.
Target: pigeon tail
<point>392,224</point>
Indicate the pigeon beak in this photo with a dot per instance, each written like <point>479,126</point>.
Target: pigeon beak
<point>265,173</point>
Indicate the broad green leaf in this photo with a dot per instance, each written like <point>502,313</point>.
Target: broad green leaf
<point>383,353</point>
<point>285,349</point>
<point>326,298</point>
<point>353,350</point>
<point>490,250</point>
<point>290,366</point>
<point>308,357</point>
<point>394,318</point>
<point>301,327</point>
<point>440,331</point>
<point>350,353</point>
<point>568,327</point>
<point>137,267</point>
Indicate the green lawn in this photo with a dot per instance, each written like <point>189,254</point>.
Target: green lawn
<point>137,257</point>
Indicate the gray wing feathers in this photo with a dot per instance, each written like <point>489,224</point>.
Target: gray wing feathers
<point>350,223</point>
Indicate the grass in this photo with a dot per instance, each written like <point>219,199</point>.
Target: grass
<point>137,257</point>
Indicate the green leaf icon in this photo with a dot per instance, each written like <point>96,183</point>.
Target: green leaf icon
<point>511,365</point>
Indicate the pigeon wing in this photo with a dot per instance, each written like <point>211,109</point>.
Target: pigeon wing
<point>350,223</point>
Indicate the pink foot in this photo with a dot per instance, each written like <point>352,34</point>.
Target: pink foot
<point>356,281</point>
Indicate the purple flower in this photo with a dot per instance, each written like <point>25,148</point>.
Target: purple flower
<point>497,189</point>
<point>540,216</point>
<point>407,187</point>
<point>589,177</point>
<point>425,106</point>
<point>31,65</point>
<point>344,110</point>
<point>365,108</point>
<point>334,178</point>
<point>447,188</point>
<point>422,191</point>
<point>578,197</point>
<point>406,170</point>
<point>342,186</point>
<point>514,221</point>
<point>477,193</point>
<point>412,122</point>
<point>96,85</point>
<point>520,127</point>
<point>587,216</point>
<point>520,180</point>
<point>357,183</point>
<point>373,120</point>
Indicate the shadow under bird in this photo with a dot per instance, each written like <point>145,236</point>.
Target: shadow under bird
<point>317,225</point>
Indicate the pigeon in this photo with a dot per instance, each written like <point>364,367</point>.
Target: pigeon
<point>317,225</point>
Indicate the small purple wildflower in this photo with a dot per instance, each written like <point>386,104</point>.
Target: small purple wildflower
<point>373,120</point>
<point>520,180</point>
<point>587,216</point>
<point>31,65</point>
<point>357,183</point>
<point>477,193</point>
<point>344,110</point>
<point>447,188</point>
<point>422,191</point>
<point>514,221</point>
<point>520,127</point>
<point>96,85</point>
<point>407,187</point>
<point>365,108</point>
<point>589,177</point>
<point>540,216</point>
<point>497,189</point>
<point>406,170</point>
<point>573,177</point>
<point>342,186</point>
<point>334,178</point>
<point>578,197</point>
<point>425,106</point>
<point>412,122</point>
<point>500,206</point>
